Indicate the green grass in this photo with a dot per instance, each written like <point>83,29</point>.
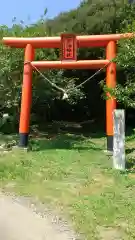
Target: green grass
<point>73,175</point>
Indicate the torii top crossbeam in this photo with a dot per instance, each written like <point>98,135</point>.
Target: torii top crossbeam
<point>54,42</point>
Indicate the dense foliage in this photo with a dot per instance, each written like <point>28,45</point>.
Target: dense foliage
<point>91,17</point>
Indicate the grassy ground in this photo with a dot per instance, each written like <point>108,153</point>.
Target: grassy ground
<point>72,174</point>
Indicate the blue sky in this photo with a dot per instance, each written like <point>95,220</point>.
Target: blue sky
<point>30,10</point>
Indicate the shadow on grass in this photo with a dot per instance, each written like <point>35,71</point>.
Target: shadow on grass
<point>87,129</point>
<point>130,162</point>
<point>129,150</point>
<point>63,141</point>
<point>90,128</point>
<point>128,171</point>
<point>5,138</point>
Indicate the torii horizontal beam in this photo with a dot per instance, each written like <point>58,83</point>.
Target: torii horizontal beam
<point>83,64</point>
<point>54,42</point>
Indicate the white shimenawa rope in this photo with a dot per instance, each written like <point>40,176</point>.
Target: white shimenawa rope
<point>65,92</point>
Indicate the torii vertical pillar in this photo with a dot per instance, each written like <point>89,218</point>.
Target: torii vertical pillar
<point>26,97</point>
<point>108,41</point>
<point>111,101</point>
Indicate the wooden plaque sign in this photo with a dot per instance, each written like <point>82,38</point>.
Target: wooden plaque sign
<point>68,47</point>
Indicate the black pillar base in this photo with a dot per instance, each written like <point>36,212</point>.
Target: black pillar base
<point>110,143</point>
<point>23,142</point>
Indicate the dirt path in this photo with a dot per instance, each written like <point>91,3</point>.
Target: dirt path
<point>20,222</point>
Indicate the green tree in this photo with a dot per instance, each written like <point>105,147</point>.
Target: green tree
<point>11,72</point>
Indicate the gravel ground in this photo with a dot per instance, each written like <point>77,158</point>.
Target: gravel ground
<point>21,220</point>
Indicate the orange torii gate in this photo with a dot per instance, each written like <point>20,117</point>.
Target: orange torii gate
<point>68,43</point>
